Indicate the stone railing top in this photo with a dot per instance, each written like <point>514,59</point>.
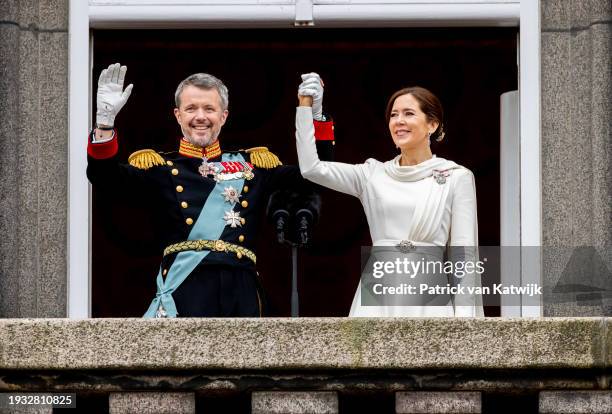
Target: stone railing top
<point>304,343</point>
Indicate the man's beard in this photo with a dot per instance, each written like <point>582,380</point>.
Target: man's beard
<point>200,142</point>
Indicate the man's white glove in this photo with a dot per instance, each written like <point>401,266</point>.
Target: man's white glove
<point>313,86</point>
<point>111,96</point>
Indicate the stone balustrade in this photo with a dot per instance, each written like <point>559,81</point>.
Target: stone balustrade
<point>314,365</point>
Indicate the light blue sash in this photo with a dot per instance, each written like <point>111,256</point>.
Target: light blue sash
<point>208,226</point>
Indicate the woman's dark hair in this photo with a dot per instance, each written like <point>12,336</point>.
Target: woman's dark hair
<point>429,104</point>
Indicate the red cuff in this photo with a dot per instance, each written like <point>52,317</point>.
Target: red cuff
<point>324,131</point>
<point>104,150</point>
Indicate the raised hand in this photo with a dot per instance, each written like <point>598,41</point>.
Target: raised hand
<point>111,96</point>
<point>312,86</point>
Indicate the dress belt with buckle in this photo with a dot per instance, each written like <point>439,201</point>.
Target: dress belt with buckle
<point>212,245</point>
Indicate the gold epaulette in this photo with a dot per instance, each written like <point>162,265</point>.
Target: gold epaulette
<point>145,159</point>
<point>262,157</point>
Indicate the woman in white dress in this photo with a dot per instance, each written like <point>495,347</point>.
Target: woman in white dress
<point>414,201</point>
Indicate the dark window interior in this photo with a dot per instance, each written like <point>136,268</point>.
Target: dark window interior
<point>468,68</point>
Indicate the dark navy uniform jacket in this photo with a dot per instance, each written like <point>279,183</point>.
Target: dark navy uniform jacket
<point>173,184</point>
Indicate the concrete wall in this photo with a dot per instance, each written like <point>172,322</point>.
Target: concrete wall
<point>33,157</point>
<point>576,144</point>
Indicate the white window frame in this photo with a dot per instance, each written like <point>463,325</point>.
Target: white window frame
<point>118,14</point>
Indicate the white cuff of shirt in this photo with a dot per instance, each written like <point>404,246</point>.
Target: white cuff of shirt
<point>102,140</point>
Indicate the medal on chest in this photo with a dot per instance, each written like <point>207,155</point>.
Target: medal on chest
<point>226,170</point>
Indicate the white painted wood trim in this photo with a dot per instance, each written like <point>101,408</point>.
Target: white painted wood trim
<point>510,199</point>
<point>421,14</point>
<point>134,14</point>
<point>191,16</point>
<point>530,152</point>
<point>510,169</point>
<point>78,188</point>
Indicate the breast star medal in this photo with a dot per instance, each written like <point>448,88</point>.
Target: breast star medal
<point>232,219</point>
<point>230,194</point>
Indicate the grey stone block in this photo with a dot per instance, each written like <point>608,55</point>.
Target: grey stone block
<point>557,159</point>
<point>27,168</point>
<point>573,14</point>
<point>556,139</point>
<point>151,403</point>
<point>576,144</point>
<point>27,15</point>
<point>580,13</point>
<point>28,410</point>
<point>36,15</point>
<point>555,15</point>
<point>9,205</point>
<point>34,167</point>
<point>284,402</point>
<point>584,13</point>
<point>9,11</point>
<point>575,402</point>
<point>53,176</point>
<point>305,343</point>
<point>581,170</point>
<point>601,72</point>
<point>53,14</point>
<point>601,10</point>
<point>429,402</point>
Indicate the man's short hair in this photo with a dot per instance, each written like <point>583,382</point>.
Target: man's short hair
<point>203,81</point>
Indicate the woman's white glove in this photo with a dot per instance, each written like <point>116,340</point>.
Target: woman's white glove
<point>111,96</point>
<point>312,85</point>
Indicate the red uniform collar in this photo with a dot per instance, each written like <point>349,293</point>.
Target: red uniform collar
<point>189,150</point>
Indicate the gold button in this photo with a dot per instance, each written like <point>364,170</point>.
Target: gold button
<point>179,188</point>
<point>174,171</point>
<point>170,163</point>
<point>165,272</point>
<point>242,220</point>
<point>244,203</point>
<point>241,238</point>
<point>246,189</point>
<point>184,204</point>
<point>239,255</point>
<point>189,221</point>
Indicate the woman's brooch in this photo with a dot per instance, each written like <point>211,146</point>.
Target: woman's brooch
<point>405,246</point>
<point>440,176</point>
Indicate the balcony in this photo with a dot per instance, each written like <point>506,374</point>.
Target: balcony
<point>331,362</point>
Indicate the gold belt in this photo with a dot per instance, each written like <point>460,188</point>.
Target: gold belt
<point>212,245</point>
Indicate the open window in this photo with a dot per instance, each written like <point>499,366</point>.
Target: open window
<point>467,67</point>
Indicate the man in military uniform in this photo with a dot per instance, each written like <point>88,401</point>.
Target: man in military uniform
<point>211,198</point>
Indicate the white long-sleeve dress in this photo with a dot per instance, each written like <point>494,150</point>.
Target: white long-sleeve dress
<point>429,204</point>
